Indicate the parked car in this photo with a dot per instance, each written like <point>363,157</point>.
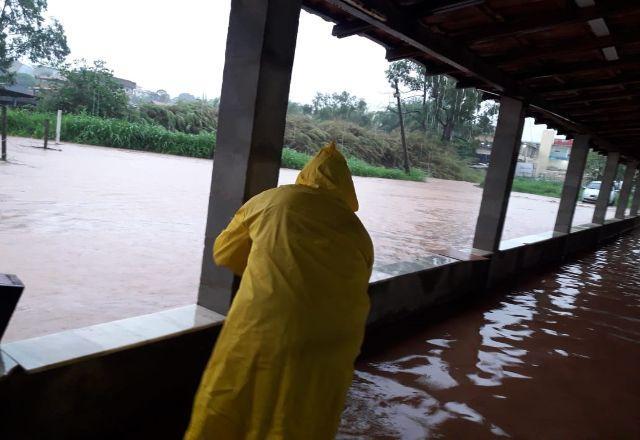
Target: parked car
<point>590,192</point>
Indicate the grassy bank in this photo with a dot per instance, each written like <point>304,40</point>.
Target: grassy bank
<point>296,160</point>
<point>539,187</point>
<point>378,148</point>
<point>112,133</point>
<point>144,136</point>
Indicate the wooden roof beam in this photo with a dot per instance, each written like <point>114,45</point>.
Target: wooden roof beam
<point>585,99</point>
<point>605,109</point>
<point>524,54</point>
<point>619,80</point>
<point>401,53</point>
<point>578,68</point>
<point>544,22</point>
<point>620,130</point>
<point>437,7</point>
<point>349,28</point>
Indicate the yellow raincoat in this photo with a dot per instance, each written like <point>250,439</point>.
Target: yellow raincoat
<point>284,360</point>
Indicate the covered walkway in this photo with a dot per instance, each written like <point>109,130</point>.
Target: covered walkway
<point>572,64</point>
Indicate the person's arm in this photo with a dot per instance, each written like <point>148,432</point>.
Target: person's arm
<point>231,248</point>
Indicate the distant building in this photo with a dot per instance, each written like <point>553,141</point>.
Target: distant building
<point>559,155</point>
<point>16,96</point>
<point>548,158</point>
<point>127,85</point>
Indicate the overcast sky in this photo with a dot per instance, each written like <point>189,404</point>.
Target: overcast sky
<point>179,47</point>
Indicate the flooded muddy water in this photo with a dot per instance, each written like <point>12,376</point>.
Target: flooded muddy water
<point>98,234</point>
<point>557,357</point>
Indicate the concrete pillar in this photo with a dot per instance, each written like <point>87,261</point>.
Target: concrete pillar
<point>625,191</point>
<point>253,103</point>
<point>497,184</point>
<point>572,183</point>
<point>606,185</point>
<point>635,203</point>
<point>546,141</point>
<point>58,126</point>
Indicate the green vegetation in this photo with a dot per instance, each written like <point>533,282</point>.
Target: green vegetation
<point>118,133</point>
<point>25,33</point>
<point>534,186</point>
<point>186,117</point>
<point>87,89</point>
<point>297,160</point>
<point>378,148</point>
<point>441,123</point>
<point>144,136</point>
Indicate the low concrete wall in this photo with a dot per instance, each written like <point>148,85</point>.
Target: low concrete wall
<point>143,392</point>
<point>147,391</point>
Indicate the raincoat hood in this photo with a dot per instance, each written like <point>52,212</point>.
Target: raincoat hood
<point>328,170</point>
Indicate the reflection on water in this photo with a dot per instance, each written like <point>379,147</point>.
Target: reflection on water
<point>557,357</point>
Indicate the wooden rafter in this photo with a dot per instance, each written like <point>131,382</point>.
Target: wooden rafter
<point>349,28</point>
<point>569,48</point>
<point>528,25</point>
<point>618,80</point>
<point>629,62</point>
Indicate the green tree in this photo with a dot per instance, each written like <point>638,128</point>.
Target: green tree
<point>88,89</point>
<point>595,166</point>
<point>342,105</point>
<point>433,103</point>
<point>25,33</point>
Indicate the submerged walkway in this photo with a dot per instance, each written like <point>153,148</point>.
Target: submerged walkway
<point>557,357</point>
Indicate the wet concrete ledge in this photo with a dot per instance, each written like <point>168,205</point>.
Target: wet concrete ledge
<point>136,377</point>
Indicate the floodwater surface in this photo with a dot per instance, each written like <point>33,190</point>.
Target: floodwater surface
<point>99,234</point>
<point>557,357</point>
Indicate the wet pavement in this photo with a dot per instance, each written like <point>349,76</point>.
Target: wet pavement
<point>557,357</point>
<point>98,234</point>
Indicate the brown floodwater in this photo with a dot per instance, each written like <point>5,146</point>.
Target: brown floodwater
<point>98,234</point>
<point>557,356</point>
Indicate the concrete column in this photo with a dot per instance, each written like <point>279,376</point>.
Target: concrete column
<point>253,103</point>
<point>625,191</point>
<point>546,142</point>
<point>606,185</point>
<point>572,183</point>
<point>497,184</point>
<point>635,203</point>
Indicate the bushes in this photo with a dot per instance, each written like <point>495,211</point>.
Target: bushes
<point>378,148</point>
<point>297,160</point>
<point>144,136</point>
<point>186,117</point>
<point>531,185</point>
<point>540,187</point>
<point>118,133</point>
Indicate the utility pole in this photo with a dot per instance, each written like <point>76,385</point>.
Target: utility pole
<point>402,137</point>
<point>46,133</point>
<point>4,132</point>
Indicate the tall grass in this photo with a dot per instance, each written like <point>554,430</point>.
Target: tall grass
<point>118,133</point>
<point>85,129</point>
<point>296,160</point>
<point>540,187</point>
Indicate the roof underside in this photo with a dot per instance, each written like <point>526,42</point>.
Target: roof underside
<point>575,62</point>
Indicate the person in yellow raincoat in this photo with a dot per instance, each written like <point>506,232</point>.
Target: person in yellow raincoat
<point>284,359</point>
